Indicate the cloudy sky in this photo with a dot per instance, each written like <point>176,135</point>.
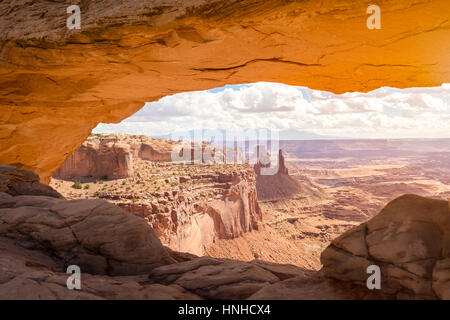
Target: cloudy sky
<point>382,113</point>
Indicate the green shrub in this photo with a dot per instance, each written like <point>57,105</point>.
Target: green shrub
<point>87,186</point>
<point>77,185</point>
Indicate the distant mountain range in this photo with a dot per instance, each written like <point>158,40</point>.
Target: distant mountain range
<point>289,134</point>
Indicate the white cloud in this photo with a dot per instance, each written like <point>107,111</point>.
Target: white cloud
<point>382,113</point>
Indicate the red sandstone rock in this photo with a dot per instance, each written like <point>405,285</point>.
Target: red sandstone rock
<point>192,226</point>
<point>99,158</point>
<point>275,186</point>
<point>15,182</point>
<point>409,240</point>
<point>228,209</point>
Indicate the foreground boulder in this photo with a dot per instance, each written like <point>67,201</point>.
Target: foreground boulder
<point>16,182</point>
<point>216,278</point>
<point>409,240</point>
<point>30,274</point>
<point>96,235</point>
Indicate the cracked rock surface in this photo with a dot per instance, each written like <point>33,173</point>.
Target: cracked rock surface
<point>409,240</point>
<point>94,234</point>
<point>23,182</point>
<point>57,84</point>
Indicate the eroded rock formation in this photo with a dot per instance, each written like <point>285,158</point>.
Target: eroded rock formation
<point>112,156</point>
<point>18,182</point>
<point>279,185</point>
<point>409,240</point>
<point>58,84</point>
<point>121,258</point>
<point>106,158</point>
<point>184,222</point>
<point>189,207</point>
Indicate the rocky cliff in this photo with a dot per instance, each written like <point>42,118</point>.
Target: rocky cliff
<point>119,255</point>
<point>111,156</point>
<point>187,222</point>
<point>98,158</point>
<point>58,84</point>
<point>189,206</point>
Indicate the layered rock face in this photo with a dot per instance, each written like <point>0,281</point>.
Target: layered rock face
<point>112,156</point>
<point>186,223</point>
<point>98,158</point>
<point>149,152</point>
<point>58,84</point>
<point>409,240</point>
<point>192,205</point>
<point>275,186</point>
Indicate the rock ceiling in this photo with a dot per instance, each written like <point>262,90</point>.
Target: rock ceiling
<point>57,84</point>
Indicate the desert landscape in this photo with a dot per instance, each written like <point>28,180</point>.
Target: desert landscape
<point>90,91</point>
<point>322,189</point>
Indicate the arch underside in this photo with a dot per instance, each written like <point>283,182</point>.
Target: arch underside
<point>57,84</point>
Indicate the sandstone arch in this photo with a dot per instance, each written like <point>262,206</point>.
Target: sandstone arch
<point>57,84</point>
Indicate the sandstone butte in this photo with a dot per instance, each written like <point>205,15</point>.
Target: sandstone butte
<point>57,84</point>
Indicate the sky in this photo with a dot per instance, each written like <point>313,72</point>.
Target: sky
<point>385,113</point>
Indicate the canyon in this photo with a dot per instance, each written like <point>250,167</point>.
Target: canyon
<point>296,251</point>
<point>287,218</point>
<point>342,212</point>
<point>189,206</point>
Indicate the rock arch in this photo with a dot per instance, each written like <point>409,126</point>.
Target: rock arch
<point>57,84</point>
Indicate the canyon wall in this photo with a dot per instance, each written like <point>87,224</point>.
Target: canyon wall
<point>188,225</point>
<point>112,156</point>
<point>188,210</point>
<point>57,84</point>
<point>121,258</point>
<point>99,159</point>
